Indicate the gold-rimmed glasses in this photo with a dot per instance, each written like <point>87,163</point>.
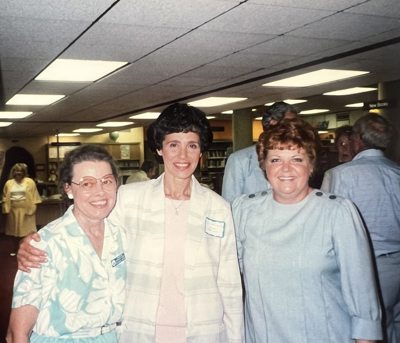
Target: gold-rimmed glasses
<point>89,183</point>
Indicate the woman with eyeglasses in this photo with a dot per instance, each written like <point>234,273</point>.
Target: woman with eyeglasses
<point>183,282</point>
<point>79,294</point>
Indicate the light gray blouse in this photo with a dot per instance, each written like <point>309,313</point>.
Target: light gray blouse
<point>307,269</point>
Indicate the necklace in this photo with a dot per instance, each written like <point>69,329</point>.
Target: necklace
<point>176,207</point>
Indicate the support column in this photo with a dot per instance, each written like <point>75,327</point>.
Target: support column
<point>242,129</point>
<point>390,91</point>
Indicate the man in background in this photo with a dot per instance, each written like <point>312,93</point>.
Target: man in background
<point>372,182</point>
<point>243,174</point>
<point>147,171</point>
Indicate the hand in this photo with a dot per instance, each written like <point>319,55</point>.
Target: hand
<point>28,256</point>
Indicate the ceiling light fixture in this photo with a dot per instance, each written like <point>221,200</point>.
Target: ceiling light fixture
<point>14,114</point>
<point>215,101</point>
<point>115,123</point>
<point>349,91</point>
<point>288,101</point>
<point>228,112</point>
<point>211,117</point>
<point>87,130</point>
<point>314,111</point>
<point>78,70</point>
<point>34,99</point>
<point>356,104</point>
<point>146,115</point>
<point>5,123</point>
<point>315,78</point>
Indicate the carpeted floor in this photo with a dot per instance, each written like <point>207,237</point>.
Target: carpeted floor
<point>8,269</point>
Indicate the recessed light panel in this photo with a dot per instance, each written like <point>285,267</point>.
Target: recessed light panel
<point>356,104</point>
<point>78,70</point>
<point>211,117</point>
<point>34,99</point>
<point>215,101</point>
<point>5,123</point>
<point>146,115</point>
<point>14,114</point>
<point>349,91</point>
<point>87,130</point>
<point>314,111</point>
<point>315,78</point>
<point>228,112</point>
<point>115,124</point>
<point>289,101</point>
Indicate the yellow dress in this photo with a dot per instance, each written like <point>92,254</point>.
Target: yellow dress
<point>21,213</point>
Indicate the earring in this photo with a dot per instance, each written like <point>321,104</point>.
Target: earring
<point>70,196</point>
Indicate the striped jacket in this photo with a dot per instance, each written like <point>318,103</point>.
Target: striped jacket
<point>212,286</point>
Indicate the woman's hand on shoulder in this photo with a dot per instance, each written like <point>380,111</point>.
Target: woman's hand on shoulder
<point>28,256</point>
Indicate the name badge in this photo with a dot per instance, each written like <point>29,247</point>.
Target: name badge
<point>215,228</point>
<point>119,259</point>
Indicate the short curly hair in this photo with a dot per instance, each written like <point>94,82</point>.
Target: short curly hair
<point>179,118</point>
<point>87,152</point>
<point>288,134</point>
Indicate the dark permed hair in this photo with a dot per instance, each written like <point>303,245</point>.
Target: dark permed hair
<point>87,152</point>
<point>179,118</point>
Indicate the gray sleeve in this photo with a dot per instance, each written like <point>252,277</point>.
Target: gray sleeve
<point>232,184</point>
<point>237,212</point>
<point>357,275</point>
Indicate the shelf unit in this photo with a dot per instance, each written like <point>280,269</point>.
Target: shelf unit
<point>213,164</point>
<point>126,156</point>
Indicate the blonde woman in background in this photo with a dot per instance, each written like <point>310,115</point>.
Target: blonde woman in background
<point>20,197</point>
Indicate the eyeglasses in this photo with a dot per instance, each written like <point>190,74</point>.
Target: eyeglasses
<point>89,183</point>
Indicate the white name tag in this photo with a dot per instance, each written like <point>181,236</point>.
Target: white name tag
<point>215,228</point>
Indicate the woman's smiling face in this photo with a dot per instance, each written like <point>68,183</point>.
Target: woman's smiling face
<point>288,171</point>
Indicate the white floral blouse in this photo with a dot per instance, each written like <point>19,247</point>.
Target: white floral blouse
<point>78,295</point>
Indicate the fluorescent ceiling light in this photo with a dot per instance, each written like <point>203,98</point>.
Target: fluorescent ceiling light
<point>115,123</point>
<point>215,101</point>
<point>67,134</point>
<point>14,114</point>
<point>34,99</point>
<point>5,123</point>
<point>258,118</point>
<point>78,70</point>
<point>146,115</point>
<point>315,78</point>
<point>87,130</point>
<point>356,104</point>
<point>228,112</point>
<point>211,117</point>
<point>289,101</point>
<point>349,91</point>
<point>323,131</point>
<point>314,111</point>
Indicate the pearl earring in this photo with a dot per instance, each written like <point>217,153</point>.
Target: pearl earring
<point>70,196</point>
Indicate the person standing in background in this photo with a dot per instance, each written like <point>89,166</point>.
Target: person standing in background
<point>20,197</point>
<point>243,174</point>
<point>148,170</point>
<point>343,143</point>
<point>372,182</point>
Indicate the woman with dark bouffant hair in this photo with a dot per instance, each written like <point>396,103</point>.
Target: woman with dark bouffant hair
<point>184,280</point>
<point>304,254</point>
